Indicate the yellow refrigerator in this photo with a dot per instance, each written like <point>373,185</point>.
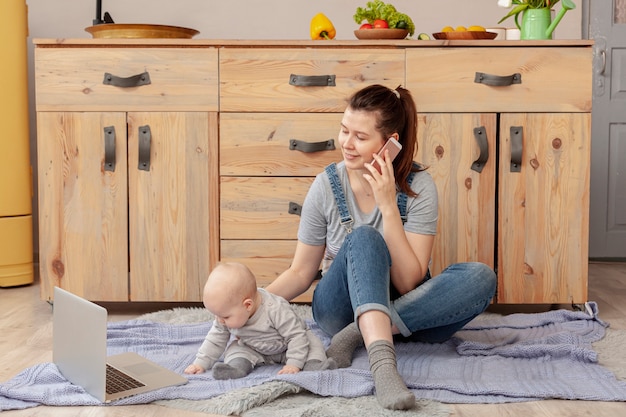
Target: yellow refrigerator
<point>16,221</point>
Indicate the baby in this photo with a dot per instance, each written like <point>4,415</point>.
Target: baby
<point>266,330</point>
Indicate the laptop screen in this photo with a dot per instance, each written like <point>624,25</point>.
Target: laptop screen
<point>80,341</point>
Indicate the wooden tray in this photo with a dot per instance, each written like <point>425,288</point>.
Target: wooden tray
<point>139,31</point>
<point>381,33</point>
<point>466,35</point>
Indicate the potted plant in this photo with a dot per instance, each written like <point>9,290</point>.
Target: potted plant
<point>536,16</point>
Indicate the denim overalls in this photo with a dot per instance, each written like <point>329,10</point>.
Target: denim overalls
<point>431,312</point>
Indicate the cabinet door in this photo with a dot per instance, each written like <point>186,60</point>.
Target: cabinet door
<point>448,144</point>
<point>543,211</point>
<point>83,219</point>
<point>171,203</point>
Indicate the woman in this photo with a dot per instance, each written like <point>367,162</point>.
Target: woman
<point>351,223</point>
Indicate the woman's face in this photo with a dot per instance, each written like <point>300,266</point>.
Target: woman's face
<point>358,138</point>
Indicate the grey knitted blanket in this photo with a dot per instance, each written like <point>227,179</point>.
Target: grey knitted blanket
<point>513,358</point>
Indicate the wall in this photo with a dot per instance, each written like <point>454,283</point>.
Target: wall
<point>265,19</point>
<point>254,19</point>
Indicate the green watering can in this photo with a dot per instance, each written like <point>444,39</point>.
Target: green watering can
<point>536,22</point>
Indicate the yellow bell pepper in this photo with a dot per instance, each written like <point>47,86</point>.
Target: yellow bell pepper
<point>322,28</point>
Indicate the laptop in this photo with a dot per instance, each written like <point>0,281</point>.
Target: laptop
<point>80,353</point>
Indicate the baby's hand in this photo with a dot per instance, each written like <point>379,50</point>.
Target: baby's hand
<point>289,369</point>
<point>194,369</point>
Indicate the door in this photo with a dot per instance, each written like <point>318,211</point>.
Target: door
<point>608,176</point>
<point>83,220</point>
<point>170,204</point>
<point>543,208</point>
<point>449,147</point>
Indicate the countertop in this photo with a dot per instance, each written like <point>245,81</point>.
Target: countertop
<point>270,43</point>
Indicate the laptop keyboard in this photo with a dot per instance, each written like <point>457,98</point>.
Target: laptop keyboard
<point>118,381</point>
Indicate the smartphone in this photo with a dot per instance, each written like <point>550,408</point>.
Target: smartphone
<point>394,149</point>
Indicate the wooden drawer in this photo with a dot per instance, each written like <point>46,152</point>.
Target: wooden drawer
<point>259,207</point>
<point>443,79</point>
<point>276,144</point>
<point>267,259</point>
<point>74,79</point>
<point>254,80</point>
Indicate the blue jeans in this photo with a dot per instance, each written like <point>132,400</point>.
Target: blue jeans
<point>432,312</point>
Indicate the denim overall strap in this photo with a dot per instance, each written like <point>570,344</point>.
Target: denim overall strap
<point>402,199</point>
<point>340,198</point>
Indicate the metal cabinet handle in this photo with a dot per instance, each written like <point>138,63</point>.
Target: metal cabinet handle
<point>602,68</point>
<point>145,136</point>
<point>109,148</point>
<point>312,80</point>
<point>517,145</point>
<point>498,80</point>
<point>480,134</point>
<point>311,147</point>
<point>132,81</point>
<point>294,208</point>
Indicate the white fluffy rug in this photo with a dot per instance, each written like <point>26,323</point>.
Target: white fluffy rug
<point>611,352</point>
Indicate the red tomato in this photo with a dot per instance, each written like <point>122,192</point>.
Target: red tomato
<point>380,24</point>
<point>366,26</point>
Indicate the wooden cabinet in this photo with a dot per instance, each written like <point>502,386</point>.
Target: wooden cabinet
<point>126,197</point>
<point>83,220</point>
<point>543,208</point>
<point>280,112</point>
<point>239,129</point>
<point>527,212</point>
<point>265,172</point>
<point>449,145</point>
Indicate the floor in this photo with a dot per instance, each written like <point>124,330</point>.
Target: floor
<point>26,328</point>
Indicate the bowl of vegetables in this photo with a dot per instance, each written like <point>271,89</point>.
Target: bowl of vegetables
<point>379,20</point>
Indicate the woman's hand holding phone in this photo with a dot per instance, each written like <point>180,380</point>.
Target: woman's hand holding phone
<point>383,185</point>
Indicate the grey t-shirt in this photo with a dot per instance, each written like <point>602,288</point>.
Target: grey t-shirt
<point>320,220</point>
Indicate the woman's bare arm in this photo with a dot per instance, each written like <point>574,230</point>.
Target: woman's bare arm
<point>410,252</point>
<point>300,274</point>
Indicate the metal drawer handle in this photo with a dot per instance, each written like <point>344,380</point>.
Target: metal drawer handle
<point>310,147</point>
<point>145,136</point>
<point>312,80</point>
<point>132,81</point>
<point>517,146</point>
<point>497,80</point>
<point>480,134</point>
<point>109,148</point>
<point>294,208</point>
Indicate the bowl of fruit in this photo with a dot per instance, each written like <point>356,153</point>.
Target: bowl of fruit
<point>382,21</point>
<point>474,32</point>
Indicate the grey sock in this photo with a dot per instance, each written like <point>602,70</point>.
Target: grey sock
<point>391,391</point>
<point>343,345</point>
<point>237,368</point>
<point>317,365</point>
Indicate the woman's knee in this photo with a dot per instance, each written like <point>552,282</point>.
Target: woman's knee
<point>477,276</point>
<point>485,276</point>
<point>366,240</point>
<point>366,233</point>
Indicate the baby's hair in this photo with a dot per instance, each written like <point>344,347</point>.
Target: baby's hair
<point>235,279</point>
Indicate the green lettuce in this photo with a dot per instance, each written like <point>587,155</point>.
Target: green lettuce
<point>377,9</point>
